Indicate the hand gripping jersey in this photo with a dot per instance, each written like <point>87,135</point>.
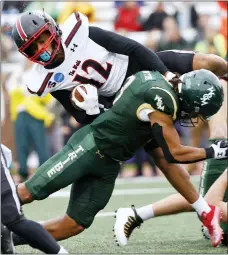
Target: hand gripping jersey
<point>85,62</point>
<point>124,128</point>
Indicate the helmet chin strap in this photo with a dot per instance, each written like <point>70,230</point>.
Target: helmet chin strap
<point>180,84</point>
<point>45,56</point>
<point>180,87</point>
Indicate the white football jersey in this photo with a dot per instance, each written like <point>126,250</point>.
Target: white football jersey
<point>6,156</point>
<point>86,62</point>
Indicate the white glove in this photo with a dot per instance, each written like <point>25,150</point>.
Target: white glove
<point>90,103</point>
<point>169,75</point>
<point>220,149</point>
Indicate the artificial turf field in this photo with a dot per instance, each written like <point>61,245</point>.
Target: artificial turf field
<point>178,234</point>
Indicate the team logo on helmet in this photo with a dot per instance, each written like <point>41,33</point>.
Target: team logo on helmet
<point>206,97</point>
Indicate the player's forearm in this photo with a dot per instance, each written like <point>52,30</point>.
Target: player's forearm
<point>173,151</point>
<point>186,155</point>
<point>178,61</point>
<point>211,62</point>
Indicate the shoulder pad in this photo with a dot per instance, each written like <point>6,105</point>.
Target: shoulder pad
<point>76,26</point>
<point>37,80</point>
<point>164,101</point>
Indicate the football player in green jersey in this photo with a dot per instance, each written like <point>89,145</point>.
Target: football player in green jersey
<point>144,110</point>
<point>213,186</point>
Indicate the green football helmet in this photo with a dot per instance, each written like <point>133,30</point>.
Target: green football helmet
<point>200,96</point>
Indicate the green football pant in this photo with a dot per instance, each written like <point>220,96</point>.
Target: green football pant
<point>212,169</point>
<point>81,164</point>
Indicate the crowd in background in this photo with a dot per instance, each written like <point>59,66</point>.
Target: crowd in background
<point>42,126</point>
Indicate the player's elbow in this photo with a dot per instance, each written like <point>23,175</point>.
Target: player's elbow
<point>176,155</point>
<point>173,155</point>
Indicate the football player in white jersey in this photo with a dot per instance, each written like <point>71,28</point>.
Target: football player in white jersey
<point>78,53</point>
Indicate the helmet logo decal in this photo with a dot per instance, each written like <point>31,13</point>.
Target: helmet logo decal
<point>20,30</point>
<point>206,97</point>
<point>159,103</point>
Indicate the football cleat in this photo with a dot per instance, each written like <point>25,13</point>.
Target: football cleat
<point>225,239</point>
<point>127,220</point>
<point>211,221</point>
<point>205,232</point>
<point>7,245</point>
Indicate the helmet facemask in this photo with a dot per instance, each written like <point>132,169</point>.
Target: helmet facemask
<point>189,119</point>
<point>42,56</point>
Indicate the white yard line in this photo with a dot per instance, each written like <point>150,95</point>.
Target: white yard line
<point>139,180</point>
<point>121,192</point>
<point>158,179</point>
<point>105,214</point>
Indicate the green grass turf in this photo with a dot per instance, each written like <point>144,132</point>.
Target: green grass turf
<point>168,235</point>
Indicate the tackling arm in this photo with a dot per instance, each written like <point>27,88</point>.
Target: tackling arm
<point>168,139</point>
<point>210,62</point>
<point>182,62</point>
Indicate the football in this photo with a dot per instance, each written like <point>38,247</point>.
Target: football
<point>77,95</point>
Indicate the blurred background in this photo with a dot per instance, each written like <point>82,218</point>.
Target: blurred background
<point>36,128</point>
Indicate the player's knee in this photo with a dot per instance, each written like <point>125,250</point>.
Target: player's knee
<point>23,193</point>
<point>76,228</point>
<point>67,226</point>
<point>10,215</point>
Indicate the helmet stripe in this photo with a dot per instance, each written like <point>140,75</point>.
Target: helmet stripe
<point>20,30</point>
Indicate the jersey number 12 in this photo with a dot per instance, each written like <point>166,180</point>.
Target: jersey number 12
<point>104,72</point>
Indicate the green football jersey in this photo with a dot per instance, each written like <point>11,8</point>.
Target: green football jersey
<point>124,128</point>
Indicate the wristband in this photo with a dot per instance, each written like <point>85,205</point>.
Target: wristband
<point>209,152</point>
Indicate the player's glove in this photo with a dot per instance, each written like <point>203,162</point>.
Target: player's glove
<point>169,75</point>
<point>90,103</point>
<point>218,150</point>
<point>224,77</point>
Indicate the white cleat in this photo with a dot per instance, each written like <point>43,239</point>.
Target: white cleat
<point>127,220</point>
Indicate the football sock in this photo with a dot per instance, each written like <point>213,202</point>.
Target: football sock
<point>35,235</point>
<point>146,212</point>
<point>201,206</point>
<point>62,250</point>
